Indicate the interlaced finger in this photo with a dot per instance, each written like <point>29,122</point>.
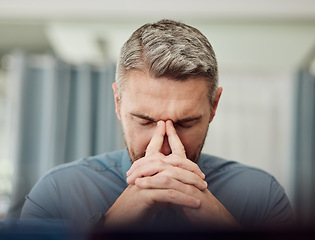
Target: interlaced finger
<point>147,167</point>
<point>177,161</point>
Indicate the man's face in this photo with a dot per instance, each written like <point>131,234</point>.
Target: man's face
<point>146,100</point>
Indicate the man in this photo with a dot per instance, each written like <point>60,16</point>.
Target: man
<point>166,95</point>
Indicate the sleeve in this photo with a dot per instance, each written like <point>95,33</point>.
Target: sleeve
<point>42,202</point>
<point>279,212</point>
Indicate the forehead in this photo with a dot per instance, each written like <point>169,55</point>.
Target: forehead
<point>162,97</point>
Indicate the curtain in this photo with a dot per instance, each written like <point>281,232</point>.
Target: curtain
<point>304,147</point>
<point>60,113</point>
<point>253,124</point>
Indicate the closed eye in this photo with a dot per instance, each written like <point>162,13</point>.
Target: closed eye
<point>184,125</point>
<point>188,123</point>
<point>146,123</point>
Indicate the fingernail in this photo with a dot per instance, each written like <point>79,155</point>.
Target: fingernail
<point>170,123</point>
<point>159,123</point>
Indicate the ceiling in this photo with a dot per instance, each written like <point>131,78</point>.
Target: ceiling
<point>246,34</point>
<point>139,9</point>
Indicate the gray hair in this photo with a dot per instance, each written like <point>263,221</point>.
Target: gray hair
<point>169,49</point>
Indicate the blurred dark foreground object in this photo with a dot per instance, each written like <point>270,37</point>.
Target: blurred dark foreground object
<point>58,231</point>
<point>35,230</point>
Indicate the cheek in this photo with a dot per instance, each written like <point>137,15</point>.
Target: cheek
<point>188,140</point>
<point>138,138</point>
<point>192,139</point>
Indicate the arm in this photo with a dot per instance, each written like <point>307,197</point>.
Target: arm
<point>279,212</point>
<point>40,209</point>
<point>157,181</point>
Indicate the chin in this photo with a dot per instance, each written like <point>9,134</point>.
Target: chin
<point>194,158</point>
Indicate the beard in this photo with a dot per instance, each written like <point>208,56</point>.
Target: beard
<point>191,156</point>
<point>134,156</point>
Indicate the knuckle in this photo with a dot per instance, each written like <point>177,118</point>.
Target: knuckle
<point>141,183</point>
<point>174,158</point>
<point>176,171</point>
<point>171,193</point>
<point>165,180</point>
<point>193,190</point>
<point>194,165</point>
<point>172,171</point>
<point>160,164</point>
<point>146,181</point>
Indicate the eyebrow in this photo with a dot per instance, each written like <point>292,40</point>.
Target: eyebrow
<point>145,117</point>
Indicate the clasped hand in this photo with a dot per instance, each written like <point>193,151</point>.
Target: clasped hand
<point>157,181</point>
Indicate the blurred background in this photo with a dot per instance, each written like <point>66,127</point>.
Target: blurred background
<point>58,62</point>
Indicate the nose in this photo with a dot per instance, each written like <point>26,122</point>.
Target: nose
<point>166,149</point>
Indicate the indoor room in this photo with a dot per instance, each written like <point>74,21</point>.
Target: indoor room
<point>58,64</point>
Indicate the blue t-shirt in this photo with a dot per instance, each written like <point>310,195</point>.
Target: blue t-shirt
<point>74,192</point>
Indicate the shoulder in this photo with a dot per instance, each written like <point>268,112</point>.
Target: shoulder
<point>111,161</point>
<point>90,184</point>
<point>253,196</point>
<point>238,180</point>
<point>104,169</point>
<point>217,167</point>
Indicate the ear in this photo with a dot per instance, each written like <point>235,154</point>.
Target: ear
<point>117,100</point>
<point>215,103</point>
